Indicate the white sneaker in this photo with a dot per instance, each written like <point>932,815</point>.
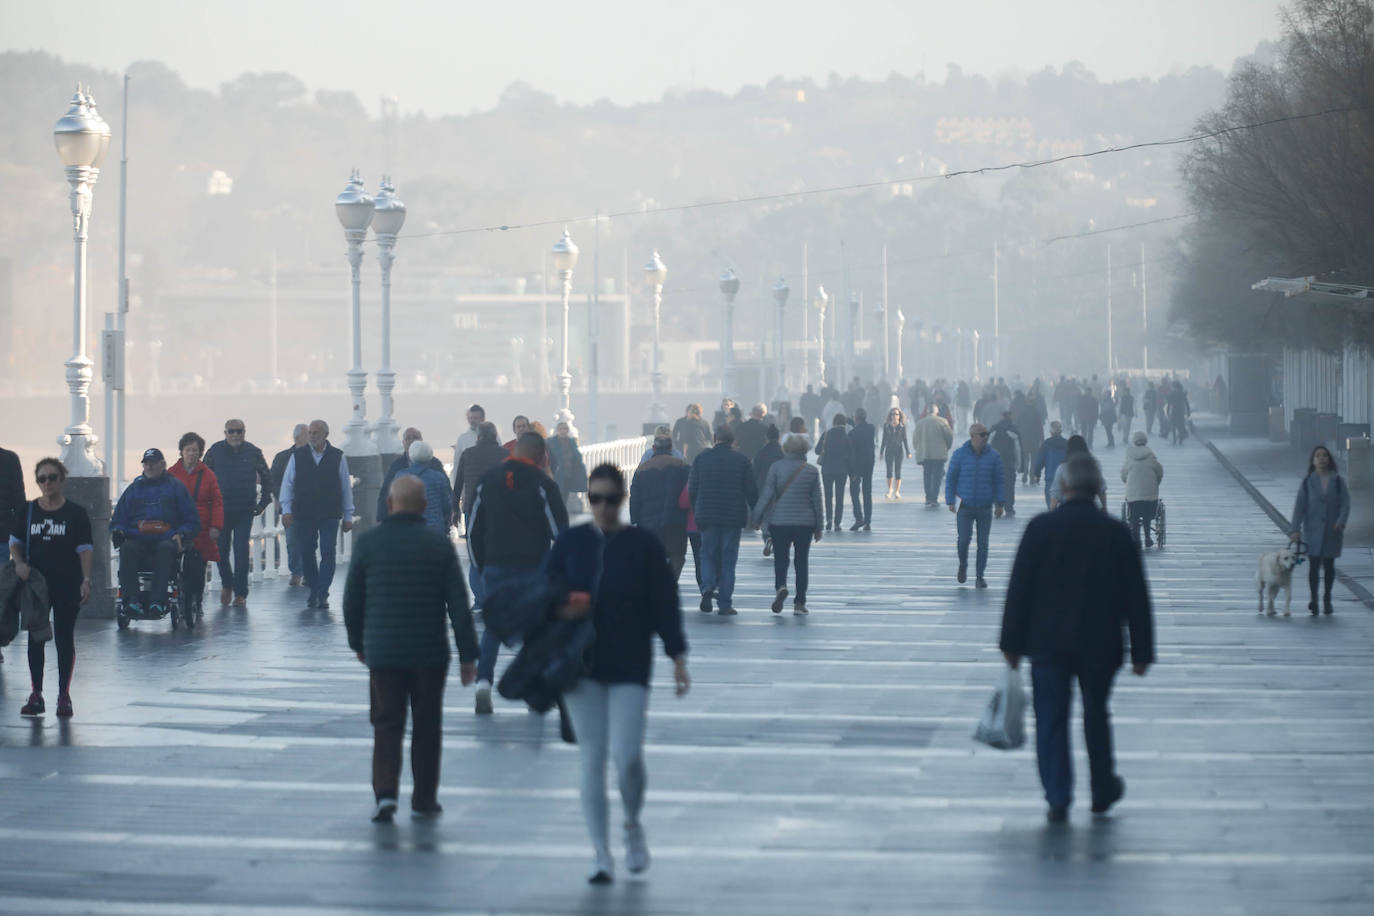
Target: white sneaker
<point>385,811</point>
<point>636,848</point>
<point>484,698</point>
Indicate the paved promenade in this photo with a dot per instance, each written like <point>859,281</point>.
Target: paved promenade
<point>819,766</point>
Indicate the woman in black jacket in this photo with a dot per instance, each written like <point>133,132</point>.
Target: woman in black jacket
<point>894,449</point>
<point>834,454</point>
<point>619,576</point>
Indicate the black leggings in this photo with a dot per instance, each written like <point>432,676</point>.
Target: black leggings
<point>1317,565</point>
<point>792,537</point>
<point>894,465</point>
<point>64,614</point>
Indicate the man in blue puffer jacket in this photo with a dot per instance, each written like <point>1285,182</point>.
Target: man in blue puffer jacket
<point>157,518</point>
<point>975,480</point>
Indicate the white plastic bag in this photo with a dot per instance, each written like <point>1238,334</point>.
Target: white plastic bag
<point>1003,724</point>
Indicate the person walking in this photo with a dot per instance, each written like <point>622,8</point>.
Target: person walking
<point>963,403</point>
<point>201,482</point>
<point>12,496</point>
<point>931,439</point>
<point>1106,415</point>
<point>1320,514</point>
<point>157,518</point>
<point>790,505</point>
<point>1087,414</point>
<point>721,489</point>
<point>279,461</point>
<point>1076,583</point>
<point>1005,439</point>
<point>53,537</point>
<point>770,454</point>
<point>317,496</point>
<point>1028,413</point>
<point>246,483</point>
<point>402,461</point>
<point>1149,402</point>
<point>1050,455</point>
<point>517,511</point>
<point>1142,474</point>
<point>1125,409</point>
<point>974,491</point>
<point>483,455</point>
<point>475,416</point>
<point>833,454</point>
<point>752,436</point>
<point>404,589</point>
<point>1076,445</point>
<point>809,407</point>
<point>619,577</point>
<point>1178,410</point>
<point>894,449</point>
<point>691,434</point>
<point>438,512</point>
<point>654,495</point>
<point>862,459</point>
<point>833,408</point>
<point>566,466</point>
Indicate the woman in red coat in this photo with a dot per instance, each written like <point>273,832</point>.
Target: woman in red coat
<point>200,482</point>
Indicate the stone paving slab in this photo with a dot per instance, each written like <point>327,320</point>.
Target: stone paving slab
<point>820,765</point>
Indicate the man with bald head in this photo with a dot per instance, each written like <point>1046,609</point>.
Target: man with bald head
<point>316,496</point>
<point>403,582</point>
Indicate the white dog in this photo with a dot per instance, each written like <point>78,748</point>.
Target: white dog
<point>1276,572</point>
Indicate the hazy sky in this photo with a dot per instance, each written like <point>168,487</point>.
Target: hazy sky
<point>454,56</point>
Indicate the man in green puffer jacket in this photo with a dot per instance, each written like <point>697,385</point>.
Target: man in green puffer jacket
<point>403,581</point>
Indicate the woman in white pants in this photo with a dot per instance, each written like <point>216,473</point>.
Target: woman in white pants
<point>618,576</point>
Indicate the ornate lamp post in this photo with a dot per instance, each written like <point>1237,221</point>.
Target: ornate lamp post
<point>564,260</point>
<point>389,215</point>
<point>822,300</point>
<point>355,209</point>
<point>656,272</point>
<point>729,288</point>
<point>82,138</point>
<point>780,293</point>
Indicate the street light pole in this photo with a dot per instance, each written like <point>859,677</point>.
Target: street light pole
<point>1144,316</point>
<point>822,300</point>
<point>901,323</point>
<point>887,341</point>
<point>729,287</point>
<point>390,216</point>
<point>780,293</point>
<point>564,260</point>
<point>354,209</point>
<point>852,351</point>
<point>82,138</point>
<point>996,313</point>
<point>656,272</point>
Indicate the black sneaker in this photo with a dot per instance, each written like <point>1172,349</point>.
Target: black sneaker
<point>778,599</point>
<point>981,583</point>
<point>867,526</point>
<point>963,573</point>
<point>706,601</point>
<point>856,526</point>
<point>311,603</point>
<point>767,547</point>
<point>727,612</point>
<point>1328,608</point>
<point>385,812</point>
<point>1101,806</point>
<point>1057,815</point>
<point>322,604</point>
<point>1312,606</point>
<point>34,707</point>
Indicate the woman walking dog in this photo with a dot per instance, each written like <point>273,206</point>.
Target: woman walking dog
<point>1319,517</point>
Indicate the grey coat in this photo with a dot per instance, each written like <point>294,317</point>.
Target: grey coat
<point>800,504</point>
<point>23,605</point>
<point>1316,514</point>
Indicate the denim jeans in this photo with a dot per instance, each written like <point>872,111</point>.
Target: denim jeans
<point>719,553</point>
<point>1052,696</point>
<point>493,578</point>
<point>318,571</point>
<point>933,473</point>
<point>968,517</point>
<point>292,536</point>
<point>234,534</point>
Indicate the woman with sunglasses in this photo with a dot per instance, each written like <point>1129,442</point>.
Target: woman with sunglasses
<point>894,449</point>
<point>53,537</point>
<point>619,576</point>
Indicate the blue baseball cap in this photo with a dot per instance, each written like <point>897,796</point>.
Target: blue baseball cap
<point>153,454</point>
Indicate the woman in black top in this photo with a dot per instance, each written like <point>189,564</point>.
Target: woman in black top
<point>53,536</point>
<point>894,449</point>
<point>834,454</point>
<point>618,576</point>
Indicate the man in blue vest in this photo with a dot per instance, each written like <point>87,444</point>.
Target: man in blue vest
<point>240,468</point>
<point>316,495</point>
<point>975,480</point>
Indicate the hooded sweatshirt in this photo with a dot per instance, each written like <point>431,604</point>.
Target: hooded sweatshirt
<point>1141,473</point>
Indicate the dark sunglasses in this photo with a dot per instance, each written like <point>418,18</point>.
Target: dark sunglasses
<point>48,478</point>
<point>597,499</point>
<point>238,431</point>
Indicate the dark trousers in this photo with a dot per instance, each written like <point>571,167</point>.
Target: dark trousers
<point>393,689</point>
<point>1085,429</point>
<point>65,609</point>
<point>1142,513</point>
<point>675,542</point>
<point>157,556</point>
<point>1009,487</point>
<point>319,571</point>
<point>234,535</point>
<point>192,579</point>
<point>861,486</point>
<point>1111,441</point>
<point>1320,564</point>
<point>894,465</point>
<point>1052,687</point>
<point>786,538</point>
<point>967,519</point>
<point>1149,422</point>
<point>694,541</point>
<point>934,474</point>
<point>833,487</point>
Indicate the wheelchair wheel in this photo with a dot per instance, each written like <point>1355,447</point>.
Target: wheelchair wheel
<point>1159,526</point>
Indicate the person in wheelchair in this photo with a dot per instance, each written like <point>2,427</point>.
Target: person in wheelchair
<point>155,518</point>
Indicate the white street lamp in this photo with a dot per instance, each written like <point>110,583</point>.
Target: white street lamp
<point>852,351</point>
<point>729,288</point>
<point>82,138</point>
<point>564,260</point>
<point>901,323</point>
<point>389,215</point>
<point>355,208</point>
<point>656,272</point>
<point>780,293</point>
<point>822,300</point>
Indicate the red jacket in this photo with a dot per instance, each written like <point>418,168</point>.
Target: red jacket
<point>209,503</point>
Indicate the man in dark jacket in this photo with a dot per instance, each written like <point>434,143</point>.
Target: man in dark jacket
<point>751,435</point>
<point>475,462</point>
<point>12,497</point>
<point>1005,439</point>
<point>408,438</point>
<point>769,455</point>
<point>721,490</point>
<point>1087,413</point>
<point>691,434</point>
<point>317,500</point>
<point>517,511</point>
<point>809,406</point>
<point>1049,457</point>
<point>157,519</point>
<point>248,487</point>
<point>1076,583</point>
<point>862,456</point>
<point>403,581</point>
<point>656,485</point>
<point>279,462</point>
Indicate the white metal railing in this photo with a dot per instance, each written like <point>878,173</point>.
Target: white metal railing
<point>623,453</point>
